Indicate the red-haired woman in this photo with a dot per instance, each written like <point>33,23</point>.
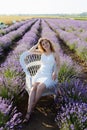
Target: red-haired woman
<point>46,76</point>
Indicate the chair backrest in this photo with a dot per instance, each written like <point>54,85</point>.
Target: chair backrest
<point>30,62</point>
<point>33,63</point>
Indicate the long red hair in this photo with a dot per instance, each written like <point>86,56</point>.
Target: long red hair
<point>41,47</point>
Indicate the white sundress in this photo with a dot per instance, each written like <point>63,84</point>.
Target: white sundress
<point>44,74</point>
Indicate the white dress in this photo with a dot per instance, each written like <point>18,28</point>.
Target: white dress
<point>44,74</point>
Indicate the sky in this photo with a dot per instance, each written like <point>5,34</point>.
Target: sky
<point>42,6</point>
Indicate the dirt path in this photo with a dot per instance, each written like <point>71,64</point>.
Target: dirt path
<point>43,116</point>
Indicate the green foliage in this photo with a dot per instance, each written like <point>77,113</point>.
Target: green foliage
<point>65,73</point>
<point>9,73</point>
<point>86,39</point>
<point>3,119</point>
<point>81,30</point>
<point>10,86</point>
<point>82,54</point>
<point>2,32</point>
<point>4,92</point>
<point>65,126</point>
<point>73,46</point>
<point>9,92</point>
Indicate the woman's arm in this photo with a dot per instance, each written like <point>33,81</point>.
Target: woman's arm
<point>56,66</point>
<point>35,49</point>
<point>57,58</point>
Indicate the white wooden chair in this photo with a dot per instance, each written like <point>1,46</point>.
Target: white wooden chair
<point>30,64</point>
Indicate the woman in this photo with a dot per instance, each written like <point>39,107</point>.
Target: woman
<point>46,76</point>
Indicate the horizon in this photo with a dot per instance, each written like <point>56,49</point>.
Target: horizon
<point>48,14</point>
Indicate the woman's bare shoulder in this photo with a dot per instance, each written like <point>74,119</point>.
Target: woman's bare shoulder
<point>56,55</point>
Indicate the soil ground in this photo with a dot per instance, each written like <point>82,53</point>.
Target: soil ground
<point>43,116</point>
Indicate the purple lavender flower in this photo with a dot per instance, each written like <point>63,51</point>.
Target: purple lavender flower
<point>73,90</point>
<point>9,117</point>
<point>72,116</point>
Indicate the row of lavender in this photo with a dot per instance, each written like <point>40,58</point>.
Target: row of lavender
<point>7,40</point>
<point>73,33</point>
<point>12,80</point>
<point>12,27</point>
<point>12,77</point>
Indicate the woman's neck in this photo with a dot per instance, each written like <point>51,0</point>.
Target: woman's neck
<point>48,52</point>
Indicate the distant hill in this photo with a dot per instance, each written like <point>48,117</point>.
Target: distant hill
<point>83,14</point>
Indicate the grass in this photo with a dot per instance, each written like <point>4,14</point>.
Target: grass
<point>8,19</point>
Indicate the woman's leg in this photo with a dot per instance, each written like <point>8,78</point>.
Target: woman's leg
<point>40,89</point>
<point>31,101</point>
<point>32,95</point>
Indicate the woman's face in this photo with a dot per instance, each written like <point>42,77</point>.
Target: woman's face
<point>45,44</point>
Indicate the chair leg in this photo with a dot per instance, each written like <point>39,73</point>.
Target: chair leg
<point>54,96</point>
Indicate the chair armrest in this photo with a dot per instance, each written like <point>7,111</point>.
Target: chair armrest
<point>29,78</point>
<point>22,62</point>
<point>28,82</point>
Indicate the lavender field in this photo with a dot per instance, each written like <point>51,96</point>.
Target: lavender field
<point>71,38</point>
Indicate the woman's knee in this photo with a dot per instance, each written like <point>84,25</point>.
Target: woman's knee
<point>34,87</point>
<point>41,86</point>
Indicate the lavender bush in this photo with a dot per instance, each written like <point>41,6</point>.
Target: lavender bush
<point>66,73</point>
<point>72,116</point>
<point>10,118</point>
<point>73,90</point>
<point>72,113</point>
<point>9,86</point>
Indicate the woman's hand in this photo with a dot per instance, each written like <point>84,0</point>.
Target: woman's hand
<point>54,76</point>
<point>35,49</point>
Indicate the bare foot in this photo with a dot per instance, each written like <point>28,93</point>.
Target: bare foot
<point>27,117</point>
